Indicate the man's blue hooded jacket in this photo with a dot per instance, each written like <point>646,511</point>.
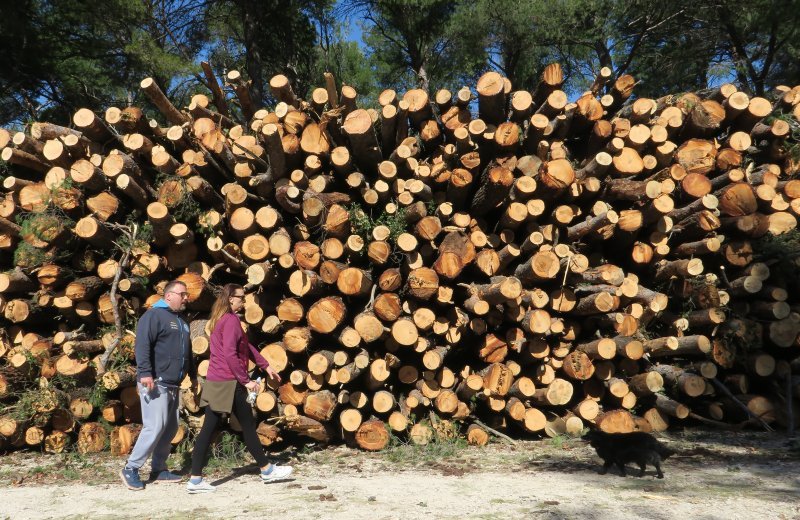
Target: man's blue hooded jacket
<point>163,346</point>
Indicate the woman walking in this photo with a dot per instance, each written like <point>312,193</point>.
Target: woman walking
<point>226,388</point>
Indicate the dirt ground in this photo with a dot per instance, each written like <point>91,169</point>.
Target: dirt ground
<point>715,475</point>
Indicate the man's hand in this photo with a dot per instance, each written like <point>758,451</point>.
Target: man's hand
<point>273,374</point>
<point>252,386</point>
<point>147,382</point>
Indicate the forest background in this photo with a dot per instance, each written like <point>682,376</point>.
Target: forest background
<point>61,55</point>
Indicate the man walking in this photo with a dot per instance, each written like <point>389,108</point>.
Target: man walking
<point>163,359</point>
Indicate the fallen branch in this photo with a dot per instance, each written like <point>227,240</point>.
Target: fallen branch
<point>493,431</point>
<point>741,405</point>
<point>131,235</point>
<point>717,424</point>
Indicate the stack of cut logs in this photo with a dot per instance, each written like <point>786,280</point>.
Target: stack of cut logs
<point>494,259</point>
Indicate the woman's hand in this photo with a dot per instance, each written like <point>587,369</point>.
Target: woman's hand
<point>273,374</point>
<point>252,386</point>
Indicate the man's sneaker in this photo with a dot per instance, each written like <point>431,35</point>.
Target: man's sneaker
<point>130,477</point>
<point>199,487</point>
<point>274,473</point>
<point>164,476</point>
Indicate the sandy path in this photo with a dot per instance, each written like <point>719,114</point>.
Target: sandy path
<point>371,489</point>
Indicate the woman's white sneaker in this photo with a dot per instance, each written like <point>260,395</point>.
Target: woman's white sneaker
<point>274,473</point>
<point>199,487</point>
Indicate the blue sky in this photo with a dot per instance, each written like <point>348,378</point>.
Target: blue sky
<point>352,27</point>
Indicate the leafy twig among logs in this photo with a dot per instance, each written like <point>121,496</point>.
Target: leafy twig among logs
<point>533,268</point>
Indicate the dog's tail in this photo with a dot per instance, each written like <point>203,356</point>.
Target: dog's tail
<point>664,452</point>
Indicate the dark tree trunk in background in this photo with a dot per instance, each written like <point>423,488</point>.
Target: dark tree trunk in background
<point>251,14</point>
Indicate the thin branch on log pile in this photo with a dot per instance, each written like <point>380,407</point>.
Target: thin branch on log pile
<point>741,405</point>
<point>214,269</point>
<point>263,178</point>
<point>493,431</point>
<point>261,162</point>
<point>718,424</point>
<point>233,259</point>
<point>131,235</point>
<point>724,275</point>
<point>371,301</point>
<point>221,169</point>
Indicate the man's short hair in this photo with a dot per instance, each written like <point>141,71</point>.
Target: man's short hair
<point>171,285</point>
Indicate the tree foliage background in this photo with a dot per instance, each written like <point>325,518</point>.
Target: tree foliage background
<point>61,55</point>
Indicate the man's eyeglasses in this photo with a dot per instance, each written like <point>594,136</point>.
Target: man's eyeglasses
<point>182,294</point>
<point>240,296</point>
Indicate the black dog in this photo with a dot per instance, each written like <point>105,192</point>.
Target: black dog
<point>622,448</point>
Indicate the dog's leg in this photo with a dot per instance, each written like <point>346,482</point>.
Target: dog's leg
<point>606,465</point>
<point>642,467</point>
<point>621,467</point>
<point>659,474</point>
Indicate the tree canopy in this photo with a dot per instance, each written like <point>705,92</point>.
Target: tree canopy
<point>61,55</point>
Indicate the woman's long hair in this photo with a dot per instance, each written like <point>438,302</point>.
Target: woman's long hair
<point>222,305</point>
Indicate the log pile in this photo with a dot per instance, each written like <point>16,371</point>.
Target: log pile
<point>502,259</point>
